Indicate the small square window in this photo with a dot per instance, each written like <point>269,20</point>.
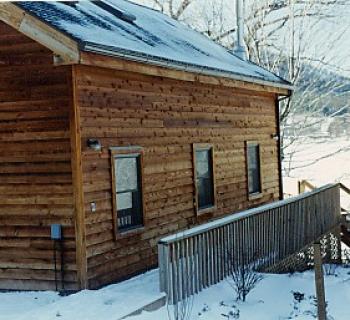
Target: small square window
<point>204,176</point>
<point>253,168</point>
<point>128,204</point>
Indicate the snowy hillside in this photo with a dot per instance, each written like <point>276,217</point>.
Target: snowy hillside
<point>320,161</point>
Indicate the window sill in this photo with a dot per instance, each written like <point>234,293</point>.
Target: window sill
<point>254,196</point>
<point>129,232</point>
<point>206,210</point>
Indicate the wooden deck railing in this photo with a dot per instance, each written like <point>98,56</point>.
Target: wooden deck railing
<point>304,185</point>
<point>204,255</point>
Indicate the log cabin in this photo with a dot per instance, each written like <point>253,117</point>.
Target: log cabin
<point>119,126</point>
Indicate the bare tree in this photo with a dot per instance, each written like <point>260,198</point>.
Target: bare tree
<point>173,8</point>
<point>297,25</point>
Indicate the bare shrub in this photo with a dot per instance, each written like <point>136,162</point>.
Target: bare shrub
<point>243,276</point>
<point>181,310</point>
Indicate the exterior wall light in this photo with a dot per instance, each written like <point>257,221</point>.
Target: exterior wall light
<point>94,144</point>
<point>275,136</point>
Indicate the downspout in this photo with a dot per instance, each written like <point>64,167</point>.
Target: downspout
<point>239,48</point>
<point>278,124</point>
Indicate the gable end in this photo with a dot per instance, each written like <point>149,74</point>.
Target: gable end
<point>65,49</point>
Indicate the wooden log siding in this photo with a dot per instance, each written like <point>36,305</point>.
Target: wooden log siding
<point>165,117</point>
<point>35,164</point>
<point>192,260</point>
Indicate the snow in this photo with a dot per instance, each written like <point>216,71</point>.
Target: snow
<point>111,302</point>
<point>271,299</point>
<point>320,161</point>
<point>153,34</point>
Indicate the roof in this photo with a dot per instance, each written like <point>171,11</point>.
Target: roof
<point>109,27</point>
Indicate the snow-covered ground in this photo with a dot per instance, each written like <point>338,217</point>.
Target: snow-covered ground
<point>272,299</point>
<point>112,302</point>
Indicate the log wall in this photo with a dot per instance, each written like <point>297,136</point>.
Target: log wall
<point>166,117</point>
<point>35,164</point>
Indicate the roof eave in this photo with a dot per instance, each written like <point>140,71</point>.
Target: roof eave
<point>175,65</point>
<point>68,50</point>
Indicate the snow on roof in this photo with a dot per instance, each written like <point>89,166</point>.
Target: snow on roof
<point>152,37</point>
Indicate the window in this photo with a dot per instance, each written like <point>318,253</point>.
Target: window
<point>253,168</point>
<point>204,176</point>
<point>128,204</point>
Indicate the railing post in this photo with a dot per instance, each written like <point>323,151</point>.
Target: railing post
<point>338,229</point>
<point>163,257</point>
<point>319,280</point>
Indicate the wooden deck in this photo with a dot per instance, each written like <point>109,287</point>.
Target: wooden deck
<point>194,259</point>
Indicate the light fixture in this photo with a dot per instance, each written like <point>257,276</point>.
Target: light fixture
<point>275,136</point>
<point>94,144</point>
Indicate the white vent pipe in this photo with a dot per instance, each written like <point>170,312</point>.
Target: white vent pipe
<point>239,48</point>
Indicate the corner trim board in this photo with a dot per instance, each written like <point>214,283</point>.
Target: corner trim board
<point>78,192</point>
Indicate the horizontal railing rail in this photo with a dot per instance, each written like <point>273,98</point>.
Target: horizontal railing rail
<point>304,185</point>
<point>344,188</point>
<point>204,255</point>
